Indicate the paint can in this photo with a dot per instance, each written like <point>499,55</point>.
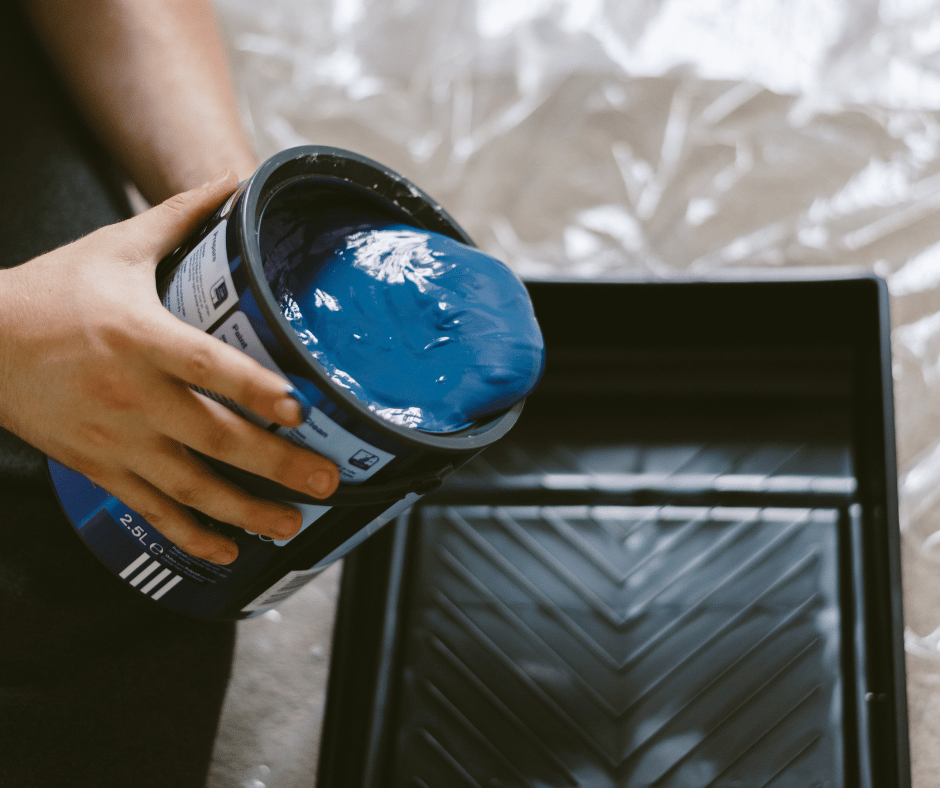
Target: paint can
<point>217,283</point>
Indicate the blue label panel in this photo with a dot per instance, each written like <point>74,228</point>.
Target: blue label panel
<point>140,555</point>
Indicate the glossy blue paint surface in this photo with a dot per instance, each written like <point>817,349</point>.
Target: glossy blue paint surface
<point>429,333</point>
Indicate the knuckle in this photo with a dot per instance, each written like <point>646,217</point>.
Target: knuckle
<point>112,389</point>
<point>252,394</point>
<point>221,442</point>
<point>176,206</point>
<point>188,494</point>
<point>98,436</point>
<point>245,387</point>
<point>201,545</point>
<point>283,464</point>
<point>230,504</point>
<point>126,338</point>
<point>193,546</point>
<point>175,526</point>
<point>255,521</point>
<point>249,515</point>
<point>158,519</point>
<point>113,334</point>
<point>201,363</point>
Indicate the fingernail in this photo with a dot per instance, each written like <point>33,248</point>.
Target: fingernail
<point>305,405</point>
<point>287,527</point>
<point>321,482</point>
<point>288,411</point>
<point>223,556</point>
<point>216,179</point>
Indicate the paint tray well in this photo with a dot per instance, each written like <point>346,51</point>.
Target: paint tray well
<point>680,569</point>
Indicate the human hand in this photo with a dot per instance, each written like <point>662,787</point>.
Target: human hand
<point>96,374</point>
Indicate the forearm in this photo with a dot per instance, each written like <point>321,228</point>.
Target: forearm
<point>152,79</point>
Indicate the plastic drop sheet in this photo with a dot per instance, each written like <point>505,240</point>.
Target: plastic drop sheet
<point>659,138</point>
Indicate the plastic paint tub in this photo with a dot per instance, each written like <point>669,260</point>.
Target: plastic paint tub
<point>216,282</point>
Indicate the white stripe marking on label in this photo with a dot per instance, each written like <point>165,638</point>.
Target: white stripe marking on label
<point>126,573</point>
<point>145,573</point>
<point>156,581</point>
<point>167,587</point>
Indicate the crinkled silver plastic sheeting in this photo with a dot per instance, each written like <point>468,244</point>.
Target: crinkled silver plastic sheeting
<point>656,137</point>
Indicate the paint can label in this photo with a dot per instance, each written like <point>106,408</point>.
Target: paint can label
<point>201,292</point>
<point>143,558</point>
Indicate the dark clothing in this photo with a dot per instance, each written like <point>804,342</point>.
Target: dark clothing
<point>99,686</point>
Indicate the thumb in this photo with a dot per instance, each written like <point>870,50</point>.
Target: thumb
<point>166,226</point>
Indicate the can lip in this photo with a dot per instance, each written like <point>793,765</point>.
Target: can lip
<point>349,171</point>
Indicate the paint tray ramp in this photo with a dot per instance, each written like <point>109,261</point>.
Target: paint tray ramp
<point>681,581</point>
<point>631,644</point>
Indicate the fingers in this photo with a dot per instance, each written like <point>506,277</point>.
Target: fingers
<point>166,226</point>
<point>192,483</point>
<point>212,429</point>
<point>178,480</point>
<point>169,518</point>
<point>199,359</point>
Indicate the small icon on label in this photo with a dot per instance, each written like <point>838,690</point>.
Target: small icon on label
<point>219,293</point>
<point>362,459</point>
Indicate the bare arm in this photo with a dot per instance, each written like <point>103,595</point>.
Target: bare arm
<point>152,80</point>
<point>97,373</point>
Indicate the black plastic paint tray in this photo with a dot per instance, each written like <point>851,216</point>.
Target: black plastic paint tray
<point>681,568</point>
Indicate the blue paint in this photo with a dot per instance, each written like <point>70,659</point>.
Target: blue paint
<point>429,333</point>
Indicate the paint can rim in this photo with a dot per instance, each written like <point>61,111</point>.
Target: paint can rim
<point>351,172</point>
